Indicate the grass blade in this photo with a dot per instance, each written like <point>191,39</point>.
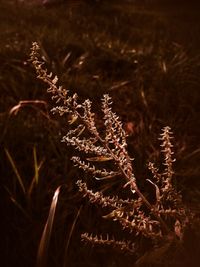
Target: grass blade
<point>35,180</point>
<point>16,203</point>
<point>44,242</point>
<point>70,235</point>
<point>15,170</point>
<point>35,165</point>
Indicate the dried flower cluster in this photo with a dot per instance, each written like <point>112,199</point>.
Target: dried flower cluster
<point>124,246</point>
<point>138,215</point>
<point>168,199</point>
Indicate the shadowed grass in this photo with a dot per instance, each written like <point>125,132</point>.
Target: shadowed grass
<point>14,167</point>
<point>145,56</point>
<point>70,236</point>
<point>37,167</point>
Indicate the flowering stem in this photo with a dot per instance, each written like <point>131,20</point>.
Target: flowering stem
<point>132,183</point>
<point>61,94</point>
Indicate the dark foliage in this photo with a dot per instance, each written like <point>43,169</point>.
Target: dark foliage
<point>147,58</point>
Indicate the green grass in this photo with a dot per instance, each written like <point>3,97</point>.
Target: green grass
<point>146,58</point>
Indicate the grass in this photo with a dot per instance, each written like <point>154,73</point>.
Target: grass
<point>146,58</point>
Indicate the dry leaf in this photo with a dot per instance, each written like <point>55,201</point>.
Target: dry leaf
<point>100,158</point>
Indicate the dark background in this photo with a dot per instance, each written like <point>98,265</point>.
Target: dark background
<point>146,55</point>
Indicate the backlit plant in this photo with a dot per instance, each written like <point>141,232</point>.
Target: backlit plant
<point>165,219</point>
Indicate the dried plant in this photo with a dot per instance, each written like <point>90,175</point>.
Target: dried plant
<point>160,221</point>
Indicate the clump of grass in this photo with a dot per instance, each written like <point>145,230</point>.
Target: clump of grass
<point>163,222</point>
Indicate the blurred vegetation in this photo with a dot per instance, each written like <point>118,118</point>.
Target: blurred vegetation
<point>146,57</point>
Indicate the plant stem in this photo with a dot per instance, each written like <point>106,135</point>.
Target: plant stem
<point>130,181</point>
